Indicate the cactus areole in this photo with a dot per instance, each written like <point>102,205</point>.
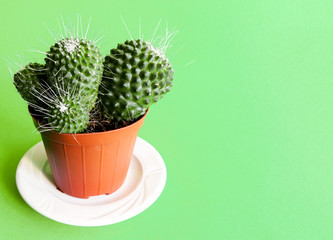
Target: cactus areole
<point>77,90</point>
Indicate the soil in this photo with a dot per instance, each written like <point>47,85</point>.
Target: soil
<point>101,124</point>
<point>97,122</point>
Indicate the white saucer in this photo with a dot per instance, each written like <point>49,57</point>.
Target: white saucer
<point>143,185</point>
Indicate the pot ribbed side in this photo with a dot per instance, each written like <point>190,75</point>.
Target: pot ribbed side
<point>90,164</point>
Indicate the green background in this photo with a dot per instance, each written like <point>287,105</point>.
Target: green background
<point>246,132</point>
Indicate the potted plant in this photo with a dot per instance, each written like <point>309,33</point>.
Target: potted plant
<point>89,108</point>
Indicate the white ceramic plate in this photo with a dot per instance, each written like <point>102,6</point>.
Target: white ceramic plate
<point>143,185</point>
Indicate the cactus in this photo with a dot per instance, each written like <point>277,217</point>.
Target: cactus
<point>74,62</point>
<point>29,82</point>
<point>65,89</point>
<point>73,71</point>
<point>67,115</point>
<point>135,76</point>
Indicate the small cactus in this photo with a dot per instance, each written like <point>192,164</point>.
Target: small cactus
<point>78,63</point>
<point>74,69</point>
<point>67,115</point>
<point>135,76</point>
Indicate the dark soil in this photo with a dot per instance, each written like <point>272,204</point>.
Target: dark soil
<point>97,122</point>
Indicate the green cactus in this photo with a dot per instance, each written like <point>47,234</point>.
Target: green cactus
<point>29,82</point>
<point>74,70</point>
<point>135,76</point>
<point>65,89</point>
<point>67,115</point>
<point>75,63</point>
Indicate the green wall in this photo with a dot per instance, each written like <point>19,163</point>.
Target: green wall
<point>246,132</point>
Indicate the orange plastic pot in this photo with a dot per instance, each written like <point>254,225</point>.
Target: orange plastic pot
<point>90,164</point>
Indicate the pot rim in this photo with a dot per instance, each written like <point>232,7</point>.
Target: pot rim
<point>93,133</point>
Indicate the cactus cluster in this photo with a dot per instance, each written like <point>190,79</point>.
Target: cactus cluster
<point>76,78</point>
